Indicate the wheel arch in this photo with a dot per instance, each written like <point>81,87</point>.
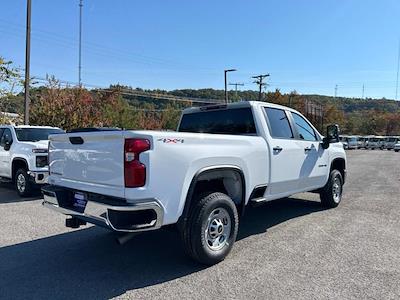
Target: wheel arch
<point>228,179</point>
<point>339,164</point>
<point>18,163</point>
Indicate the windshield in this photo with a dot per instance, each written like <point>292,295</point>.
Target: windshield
<point>35,134</point>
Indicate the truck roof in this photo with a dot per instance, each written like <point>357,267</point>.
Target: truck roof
<point>234,105</point>
<point>30,126</point>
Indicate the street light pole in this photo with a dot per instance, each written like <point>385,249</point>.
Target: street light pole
<point>27,61</point>
<point>226,83</point>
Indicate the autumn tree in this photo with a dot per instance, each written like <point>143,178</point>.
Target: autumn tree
<point>74,107</point>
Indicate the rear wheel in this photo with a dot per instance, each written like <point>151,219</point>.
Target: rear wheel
<point>211,229</point>
<point>331,194</point>
<point>22,183</point>
<point>396,150</point>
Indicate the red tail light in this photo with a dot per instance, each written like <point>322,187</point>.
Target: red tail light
<point>134,170</point>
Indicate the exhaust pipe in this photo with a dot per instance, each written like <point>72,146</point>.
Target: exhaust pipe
<point>123,239</point>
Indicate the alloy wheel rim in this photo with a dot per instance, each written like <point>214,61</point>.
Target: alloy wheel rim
<point>336,189</point>
<point>21,183</point>
<point>218,229</point>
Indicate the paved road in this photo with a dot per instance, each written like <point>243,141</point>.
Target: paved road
<point>287,249</point>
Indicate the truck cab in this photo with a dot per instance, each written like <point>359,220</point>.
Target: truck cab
<point>23,155</point>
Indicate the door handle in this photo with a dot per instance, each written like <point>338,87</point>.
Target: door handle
<point>312,147</point>
<point>277,148</point>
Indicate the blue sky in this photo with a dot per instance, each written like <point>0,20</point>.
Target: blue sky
<point>308,46</point>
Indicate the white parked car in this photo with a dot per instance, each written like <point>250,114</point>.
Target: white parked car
<point>397,147</point>
<point>201,178</point>
<point>375,142</point>
<point>23,155</point>
<point>352,142</point>
<point>390,142</point>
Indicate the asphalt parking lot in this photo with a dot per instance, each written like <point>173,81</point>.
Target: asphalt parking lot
<point>286,249</point>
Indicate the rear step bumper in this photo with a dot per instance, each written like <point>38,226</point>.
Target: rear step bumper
<point>133,217</point>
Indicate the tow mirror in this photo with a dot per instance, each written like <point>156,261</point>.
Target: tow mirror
<point>332,135</point>
<point>7,145</point>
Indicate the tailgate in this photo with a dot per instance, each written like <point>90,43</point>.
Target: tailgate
<point>88,161</point>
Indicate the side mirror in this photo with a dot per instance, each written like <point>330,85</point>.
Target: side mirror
<point>332,135</point>
<point>7,145</point>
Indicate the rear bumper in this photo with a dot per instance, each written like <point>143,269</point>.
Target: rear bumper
<point>123,217</point>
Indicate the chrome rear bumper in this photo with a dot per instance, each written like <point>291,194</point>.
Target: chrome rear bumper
<point>106,215</point>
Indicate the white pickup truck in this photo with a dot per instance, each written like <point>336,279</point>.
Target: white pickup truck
<point>23,155</point>
<point>201,177</point>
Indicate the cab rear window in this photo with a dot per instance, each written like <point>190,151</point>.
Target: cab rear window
<point>237,121</point>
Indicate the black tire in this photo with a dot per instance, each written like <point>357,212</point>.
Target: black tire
<point>396,150</point>
<point>23,185</point>
<point>209,212</point>
<point>330,195</point>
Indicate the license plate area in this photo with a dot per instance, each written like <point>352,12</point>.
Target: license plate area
<point>79,201</point>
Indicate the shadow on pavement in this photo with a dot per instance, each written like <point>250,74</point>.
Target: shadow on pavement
<point>9,195</point>
<point>89,264</point>
<point>258,219</point>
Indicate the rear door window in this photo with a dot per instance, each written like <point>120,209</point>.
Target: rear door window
<point>238,121</point>
<point>278,123</point>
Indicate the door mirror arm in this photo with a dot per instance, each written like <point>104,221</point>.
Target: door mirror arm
<point>7,146</point>
<point>325,143</point>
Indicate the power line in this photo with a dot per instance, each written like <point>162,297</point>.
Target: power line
<point>259,81</point>
<point>100,49</point>
<point>136,93</point>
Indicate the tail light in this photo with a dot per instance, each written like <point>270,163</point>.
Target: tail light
<point>134,170</point>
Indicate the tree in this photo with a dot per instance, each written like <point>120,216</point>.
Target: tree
<point>74,107</point>
<point>10,79</point>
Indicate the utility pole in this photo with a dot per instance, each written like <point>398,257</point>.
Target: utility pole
<point>363,90</point>
<point>80,44</point>
<point>398,67</point>
<point>336,88</point>
<point>27,60</point>
<point>259,80</point>
<point>226,83</point>
<point>236,84</point>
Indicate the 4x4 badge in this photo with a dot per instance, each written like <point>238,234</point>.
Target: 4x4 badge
<point>171,141</point>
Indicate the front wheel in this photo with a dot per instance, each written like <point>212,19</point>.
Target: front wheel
<point>22,183</point>
<point>211,229</point>
<point>396,150</point>
<point>331,194</point>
